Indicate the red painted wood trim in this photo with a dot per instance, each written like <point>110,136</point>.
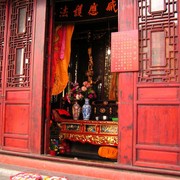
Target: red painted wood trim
<point>79,167</point>
<point>48,79</point>
<point>37,77</point>
<point>3,75</point>
<point>126,21</point>
<point>179,71</point>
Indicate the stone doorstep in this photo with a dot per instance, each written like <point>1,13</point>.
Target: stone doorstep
<point>72,171</point>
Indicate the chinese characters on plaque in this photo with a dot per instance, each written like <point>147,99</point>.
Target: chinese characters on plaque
<point>124,51</point>
<point>82,10</point>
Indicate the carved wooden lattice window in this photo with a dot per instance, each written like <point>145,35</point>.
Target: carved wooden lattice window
<point>19,58</point>
<point>2,29</point>
<point>158,40</point>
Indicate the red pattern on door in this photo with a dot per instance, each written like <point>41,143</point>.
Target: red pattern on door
<point>157,101</point>
<point>149,100</point>
<point>2,30</point>
<point>15,75</point>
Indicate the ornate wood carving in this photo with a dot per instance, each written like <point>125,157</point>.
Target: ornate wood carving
<point>158,40</point>
<point>92,139</point>
<point>2,30</point>
<point>20,45</point>
<point>93,132</point>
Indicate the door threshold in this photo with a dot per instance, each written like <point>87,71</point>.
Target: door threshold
<point>70,165</point>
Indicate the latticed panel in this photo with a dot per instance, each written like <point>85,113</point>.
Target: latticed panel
<point>19,57</point>
<point>158,41</point>
<point>2,29</point>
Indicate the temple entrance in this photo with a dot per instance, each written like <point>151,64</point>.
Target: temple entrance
<point>146,60</point>
<point>89,67</point>
<point>142,129</point>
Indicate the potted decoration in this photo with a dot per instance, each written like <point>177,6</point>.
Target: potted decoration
<point>76,93</point>
<point>72,97</point>
<point>87,93</point>
<point>54,147</point>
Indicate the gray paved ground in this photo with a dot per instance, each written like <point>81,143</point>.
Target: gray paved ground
<point>8,170</point>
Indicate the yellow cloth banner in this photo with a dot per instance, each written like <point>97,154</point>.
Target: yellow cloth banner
<point>61,70</point>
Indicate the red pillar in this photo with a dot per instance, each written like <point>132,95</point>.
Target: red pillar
<point>126,21</point>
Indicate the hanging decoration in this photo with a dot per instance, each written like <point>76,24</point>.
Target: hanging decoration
<point>90,71</point>
<point>61,58</point>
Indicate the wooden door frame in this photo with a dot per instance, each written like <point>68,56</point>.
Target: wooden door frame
<point>49,43</point>
<point>3,71</point>
<point>126,96</point>
<point>38,91</point>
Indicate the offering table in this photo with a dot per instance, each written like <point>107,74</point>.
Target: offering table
<point>89,131</point>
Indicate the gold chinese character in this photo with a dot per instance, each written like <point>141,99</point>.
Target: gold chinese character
<point>78,10</point>
<point>93,9</point>
<point>64,12</point>
<point>112,6</point>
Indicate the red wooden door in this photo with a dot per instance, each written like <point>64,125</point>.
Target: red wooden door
<point>2,54</point>
<point>22,75</point>
<point>157,100</point>
<point>16,64</point>
<point>149,100</point>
